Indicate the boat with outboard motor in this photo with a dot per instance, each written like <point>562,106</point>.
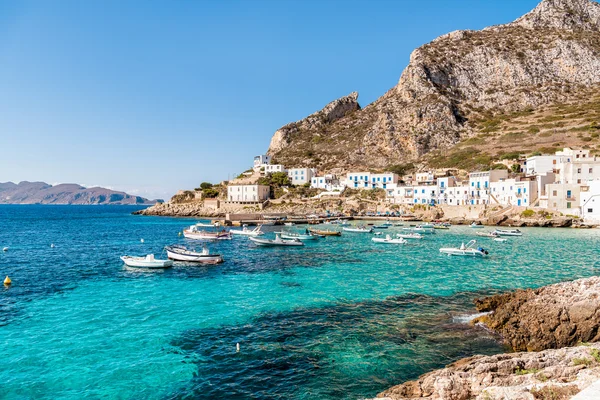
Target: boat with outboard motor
<point>508,232</point>
<point>181,253</point>
<point>204,225</point>
<point>389,240</point>
<point>382,226</point>
<point>426,229</point>
<point>193,233</point>
<point>325,232</point>
<point>487,234</point>
<point>499,239</point>
<point>296,235</point>
<point>476,225</point>
<point>278,241</point>
<point>468,250</point>
<point>245,231</point>
<point>413,235</point>
<point>358,229</point>
<point>146,262</point>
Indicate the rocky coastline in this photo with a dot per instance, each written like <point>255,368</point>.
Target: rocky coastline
<point>555,329</point>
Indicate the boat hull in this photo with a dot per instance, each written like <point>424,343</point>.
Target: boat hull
<point>388,241</point>
<point>141,262</point>
<point>206,236</point>
<point>464,253</point>
<point>275,243</point>
<point>358,230</point>
<point>198,258</point>
<point>299,237</point>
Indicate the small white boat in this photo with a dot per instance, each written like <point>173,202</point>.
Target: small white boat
<point>467,250</point>
<point>499,239</point>
<point>413,235</point>
<point>426,226</point>
<point>389,240</point>
<point>508,232</point>
<point>278,241</point>
<point>475,225</point>
<point>358,229</point>
<point>427,229</point>
<point>299,236</point>
<point>204,225</point>
<point>181,253</point>
<point>382,226</point>
<point>146,262</point>
<point>247,231</point>
<point>193,233</point>
<point>288,223</point>
<point>487,234</point>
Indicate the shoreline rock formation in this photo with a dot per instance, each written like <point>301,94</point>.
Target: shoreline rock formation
<point>553,324</point>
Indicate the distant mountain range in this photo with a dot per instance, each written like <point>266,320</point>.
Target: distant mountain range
<point>65,193</point>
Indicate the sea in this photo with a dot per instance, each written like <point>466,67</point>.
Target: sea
<point>340,318</point>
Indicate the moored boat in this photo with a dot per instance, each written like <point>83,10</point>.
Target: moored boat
<point>181,253</point>
<point>487,234</point>
<point>204,225</point>
<point>499,239</point>
<point>413,235</point>
<point>389,240</point>
<point>299,236</point>
<point>476,225</point>
<point>508,232</point>
<point>424,228</point>
<point>325,232</point>
<point>358,229</point>
<point>193,233</point>
<point>469,250</point>
<point>247,231</point>
<point>146,262</point>
<point>278,241</point>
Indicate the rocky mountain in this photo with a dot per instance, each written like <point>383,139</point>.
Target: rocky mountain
<point>66,193</point>
<point>457,87</point>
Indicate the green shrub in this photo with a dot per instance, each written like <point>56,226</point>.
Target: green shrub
<point>528,213</point>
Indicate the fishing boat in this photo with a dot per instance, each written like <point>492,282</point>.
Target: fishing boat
<point>325,232</point>
<point>389,240</point>
<point>508,232</point>
<point>476,225</point>
<point>247,231</point>
<point>146,262</point>
<point>299,236</point>
<point>413,235</point>
<point>359,229</point>
<point>181,253</point>
<point>278,241</point>
<point>487,234</point>
<point>194,233</point>
<point>469,250</point>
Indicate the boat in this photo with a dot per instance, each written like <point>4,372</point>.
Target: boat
<point>425,228</point>
<point>324,232</point>
<point>278,241</point>
<point>382,226</point>
<point>487,234</point>
<point>508,232</point>
<point>499,239</point>
<point>475,225</point>
<point>389,240</point>
<point>469,250</point>
<point>299,236</point>
<point>441,227</point>
<point>211,225</point>
<point>181,253</point>
<point>146,262</point>
<point>413,235</point>
<point>194,233</point>
<point>359,229</point>
<point>288,223</point>
<point>247,231</point>
<point>387,223</point>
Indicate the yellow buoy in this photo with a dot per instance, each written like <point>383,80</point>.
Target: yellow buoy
<point>7,281</point>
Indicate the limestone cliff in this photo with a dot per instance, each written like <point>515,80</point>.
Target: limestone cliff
<point>545,57</point>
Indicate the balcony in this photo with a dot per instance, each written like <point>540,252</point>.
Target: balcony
<point>570,198</point>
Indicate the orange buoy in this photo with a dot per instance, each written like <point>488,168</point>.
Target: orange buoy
<point>7,281</point>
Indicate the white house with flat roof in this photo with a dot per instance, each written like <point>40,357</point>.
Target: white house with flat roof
<point>272,168</point>
<point>425,194</point>
<point>479,184</point>
<point>540,165</point>
<point>329,182</point>
<point>367,180</point>
<point>562,197</point>
<point>514,191</point>
<point>455,195</point>
<point>301,176</point>
<point>589,202</point>
<point>261,161</point>
<point>248,193</point>
<point>402,195</point>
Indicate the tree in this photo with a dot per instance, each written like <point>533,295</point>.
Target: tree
<point>516,168</point>
<point>205,185</point>
<point>210,193</point>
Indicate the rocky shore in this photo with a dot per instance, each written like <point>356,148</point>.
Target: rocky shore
<point>554,325</point>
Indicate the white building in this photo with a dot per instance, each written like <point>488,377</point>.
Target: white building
<point>590,202</point>
<point>248,193</point>
<point>329,182</point>
<point>576,167</point>
<point>272,168</point>
<point>479,185</point>
<point>562,197</point>
<point>424,178</point>
<point>455,196</point>
<point>539,165</point>
<point>514,192</point>
<point>261,161</point>
<point>367,180</point>
<point>425,194</point>
<point>300,176</point>
<point>402,195</point>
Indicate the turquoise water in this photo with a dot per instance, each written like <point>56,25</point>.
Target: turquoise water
<point>340,318</point>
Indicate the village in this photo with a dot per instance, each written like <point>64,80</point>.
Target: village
<point>567,182</point>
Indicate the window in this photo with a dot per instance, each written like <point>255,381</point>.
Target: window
<point>577,156</point>
<point>554,205</point>
<point>590,210</point>
<point>422,190</point>
<point>590,170</point>
<point>578,170</point>
<point>554,194</point>
<point>568,204</point>
<point>472,183</point>
<point>442,184</point>
<point>568,194</point>
<point>554,162</point>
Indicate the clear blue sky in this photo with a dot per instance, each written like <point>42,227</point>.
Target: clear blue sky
<point>154,96</point>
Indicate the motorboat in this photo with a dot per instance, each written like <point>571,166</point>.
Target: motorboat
<point>359,229</point>
<point>469,250</point>
<point>325,232</point>
<point>278,241</point>
<point>247,231</point>
<point>508,232</point>
<point>492,234</point>
<point>389,240</point>
<point>413,235</point>
<point>476,225</point>
<point>204,225</point>
<point>499,239</point>
<point>193,233</point>
<point>299,236</point>
<point>426,228</point>
<point>146,262</point>
<point>181,253</point>
<point>440,226</point>
<point>288,223</point>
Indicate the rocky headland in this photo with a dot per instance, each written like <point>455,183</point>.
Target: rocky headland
<point>555,327</point>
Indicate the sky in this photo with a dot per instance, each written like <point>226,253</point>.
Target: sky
<point>154,96</point>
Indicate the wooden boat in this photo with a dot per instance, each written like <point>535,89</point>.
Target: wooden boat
<point>278,241</point>
<point>193,233</point>
<point>146,262</point>
<point>324,232</point>
<point>467,250</point>
<point>389,240</point>
<point>247,231</point>
<point>181,253</point>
